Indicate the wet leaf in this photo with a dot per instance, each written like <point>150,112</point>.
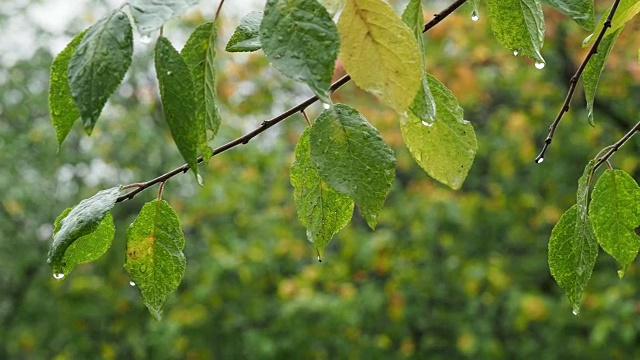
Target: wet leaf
<point>322,210</point>
<point>626,10</point>
<point>98,65</point>
<point>246,37</point>
<point>380,52</point>
<point>446,146</point>
<point>150,15</point>
<point>594,68</point>
<point>580,11</point>
<point>177,91</point>
<point>154,260</point>
<point>352,158</point>
<point>300,39</point>
<point>84,219</point>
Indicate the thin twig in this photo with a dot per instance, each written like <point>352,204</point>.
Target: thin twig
<point>244,139</point>
<point>574,82</point>
<point>215,18</point>
<point>306,118</point>
<point>617,145</point>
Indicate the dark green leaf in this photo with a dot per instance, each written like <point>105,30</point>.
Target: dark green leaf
<point>615,216</point>
<point>99,64</point>
<point>594,68</point>
<point>322,210</point>
<point>150,15</point>
<point>518,25</point>
<point>246,37</point>
<point>352,158</point>
<point>179,102</point>
<point>444,147</point>
<point>423,106</point>
<point>301,40</point>
<point>62,108</point>
<point>380,52</point>
<point>581,11</point>
<point>155,261</point>
<point>82,220</point>
<point>572,254</point>
<point>199,53</point>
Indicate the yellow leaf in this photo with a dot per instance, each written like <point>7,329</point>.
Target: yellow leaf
<point>379,52</point>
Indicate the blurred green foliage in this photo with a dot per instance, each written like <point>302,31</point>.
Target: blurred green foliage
<point>445,275</point>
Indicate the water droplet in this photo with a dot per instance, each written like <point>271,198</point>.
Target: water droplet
<point>426,123</point>
<point>326,106</point>
<point>539,161</point>
<point>539,65</point>
<point>132,283</point>
<point>199,179</point>
<point>621,273</point>
<point>169,72</point>
<point>145,39</point>
<point>515,52</point>
<point>580,269</point>
<point>475,16</point>
<point>319,258</point>
<point>58,276</point>
<point>576,311</point>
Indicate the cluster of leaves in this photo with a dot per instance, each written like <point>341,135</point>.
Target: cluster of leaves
<point>341,160</point>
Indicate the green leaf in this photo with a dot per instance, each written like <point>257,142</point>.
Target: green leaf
<point>352,158</point>
<point>322,210</point>
<point>98,65</point>
<point>614,214</point>
<point>423,105</point>
<point>594,68</point>
<point>518,25</point>
<point>380,52</point>
<point>580,11</point>
<point>71,225</point>
<point>445,147</point>
<point>572,254</point>
<point>86,248</point>
<point>150,15</point>
<point>154,260</point>
<point>301,40</point>
<point>179,102</point>
<point>626,10</point>
<point>62,108</point>
<point>199,53</point>
<point>246,37</point>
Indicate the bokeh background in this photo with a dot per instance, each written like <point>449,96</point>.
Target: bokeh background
<point>447,274</point>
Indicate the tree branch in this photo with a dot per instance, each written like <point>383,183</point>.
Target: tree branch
<point>244,139</point>
<point>574,82</point>
<point>617,145</point>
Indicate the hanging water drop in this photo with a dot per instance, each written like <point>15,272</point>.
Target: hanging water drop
<point>200,180</point>
<point>319,259</point>
<point>539,65</point>
<point>426,123</point>
<point>474,15</point>
<point>620,273</point>
<point>132,283</point>
<point>169,72</point>
<point>576,311</point>
<point>326,106</point>
<point>58,276</point>
<point>145,39</point>
<point>515,52</point>
<point>540,160</point>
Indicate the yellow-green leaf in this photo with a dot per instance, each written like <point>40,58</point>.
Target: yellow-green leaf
<point>519,26</point>
<point>380,52</point>
<point>154,260</point>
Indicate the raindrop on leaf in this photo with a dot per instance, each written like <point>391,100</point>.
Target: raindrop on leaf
<point>326,106</point>
<point>132,283</point>
<point>539,65</point>
<point>540,160</point>
<point>475,16</point>
<point>426,123</point>
<point>576,311</point>
<point>515,52</point>
<point>58,276</point>
<point>145,39</point>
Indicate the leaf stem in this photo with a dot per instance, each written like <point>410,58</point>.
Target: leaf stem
<point>617,145</point>
<point>574,82</point>
<point>244,139</point>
